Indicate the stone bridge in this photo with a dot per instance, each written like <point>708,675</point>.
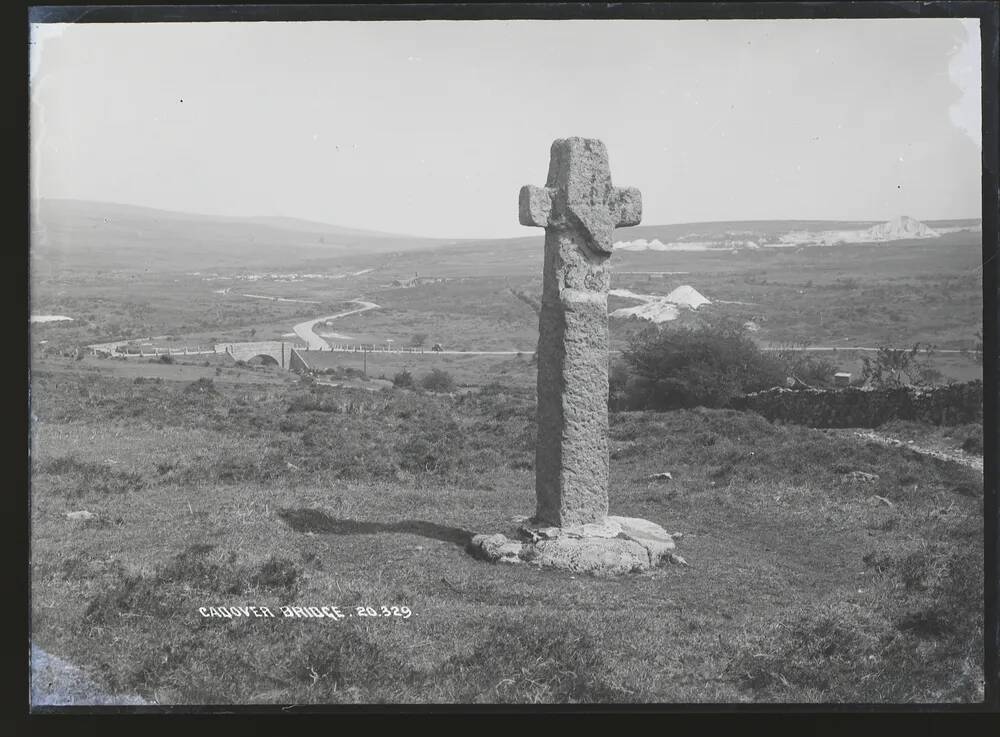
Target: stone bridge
<point>277,350</point>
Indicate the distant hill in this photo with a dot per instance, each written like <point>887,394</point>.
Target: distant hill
<point>91,236</point>
<point>901,228</point>
<point>780,233</point>
<point>100,235</point>
<point>524,255</point>
<point>313,226</point>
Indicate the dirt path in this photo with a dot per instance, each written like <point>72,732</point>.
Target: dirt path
<point>945,454</point>
<point>305,329</point>
<point>57,682</point>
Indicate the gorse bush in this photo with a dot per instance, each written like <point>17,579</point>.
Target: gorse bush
<point>434,445</point>
<point>315,401</point>
<point>343,372</point>
<point>404,379</point>
<point>203,386</point>
<point>807,367</point>
<point>438,380</point>
<point>675,367</point>
<point>891,368</point>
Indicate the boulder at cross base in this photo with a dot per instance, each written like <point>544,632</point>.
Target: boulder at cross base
<point>620,545</point>
<point>597,555</point>
<point>648,534</point>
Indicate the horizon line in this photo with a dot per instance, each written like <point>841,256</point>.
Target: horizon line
<point>388,234</point>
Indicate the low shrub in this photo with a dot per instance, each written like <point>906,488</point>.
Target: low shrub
<point>92,478</point>
<point>868,654</point>
<point>811,369</point>
<point>192,567</point>
<point>276,573</point>
<point>404,379</point>
<point>133,595</point>
<point>438,380</point>
<point>973,444</point>
<point>890,368</point>
<point>203,386</point>
<point>670,368</point>
<point>343,372</point>
<point>969,437</point>
<point>315,401</point>
<point>435,445</point>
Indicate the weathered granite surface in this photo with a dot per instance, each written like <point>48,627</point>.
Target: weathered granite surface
<point>616,546</point>
<point>579,209</point>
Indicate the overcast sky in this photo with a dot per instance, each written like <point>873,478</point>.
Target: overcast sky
<point>430,128</point>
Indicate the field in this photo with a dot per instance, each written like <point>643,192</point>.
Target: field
<point>256,489</point>
<point>897,293</point>
<point>468,371</point>
<point>846,296</point>
<point>822,566</point>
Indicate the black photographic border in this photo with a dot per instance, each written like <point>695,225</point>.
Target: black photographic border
<point>252,719</point>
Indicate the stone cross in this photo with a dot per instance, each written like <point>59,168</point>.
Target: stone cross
<point>579,208</point>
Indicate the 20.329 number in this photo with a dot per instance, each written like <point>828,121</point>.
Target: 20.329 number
<point>384,611</point>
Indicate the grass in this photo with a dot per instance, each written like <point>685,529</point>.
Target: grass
<point>467,370</point>
<point>804,585</point>
<point>90,478</point>
<point>892,651</point>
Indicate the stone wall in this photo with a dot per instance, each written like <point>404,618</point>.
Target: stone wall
<point>956,404</point>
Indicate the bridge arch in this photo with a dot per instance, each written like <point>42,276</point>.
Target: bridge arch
<point>277,351</point>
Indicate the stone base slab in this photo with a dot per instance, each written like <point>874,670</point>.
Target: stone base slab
<point>616,546</point>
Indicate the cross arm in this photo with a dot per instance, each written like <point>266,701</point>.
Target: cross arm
<point>534,205</point>
<point>626,206</point>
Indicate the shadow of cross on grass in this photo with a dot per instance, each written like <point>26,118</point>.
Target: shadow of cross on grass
<point>314,520</point>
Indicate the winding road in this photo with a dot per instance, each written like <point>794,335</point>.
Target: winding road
<point>846,348</point>
<point>304,330</point>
